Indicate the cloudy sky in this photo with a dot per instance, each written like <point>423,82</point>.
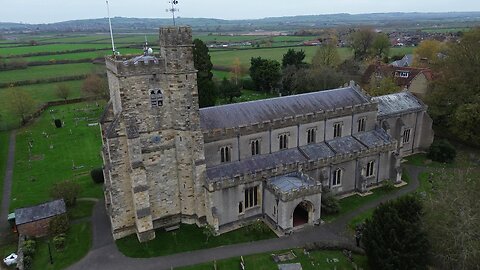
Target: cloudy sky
<point>45,11</point>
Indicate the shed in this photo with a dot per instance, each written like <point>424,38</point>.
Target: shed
<point>34,221</point>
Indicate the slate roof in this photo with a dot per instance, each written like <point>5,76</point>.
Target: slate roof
<point>261,162</point>
<point>290,182</point>
<point>397,103</point>
<point>246,113</point>
<point>373,138</point>
<point>406,61</point>
<point>346,145</point>
<point>312,152</point>
<point>317,151</point>
<point>39,212</point>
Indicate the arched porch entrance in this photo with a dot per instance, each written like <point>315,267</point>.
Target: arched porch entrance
<point>302,214</point>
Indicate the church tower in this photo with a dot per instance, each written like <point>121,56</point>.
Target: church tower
<point>153,145</point>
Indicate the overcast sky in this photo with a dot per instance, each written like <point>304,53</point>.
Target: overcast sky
<point>45,11</point>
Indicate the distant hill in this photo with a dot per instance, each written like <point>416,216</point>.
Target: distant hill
<point>122,24</point>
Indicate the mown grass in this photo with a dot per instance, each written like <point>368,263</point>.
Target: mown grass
<point>187,238</point>
<point>57,154</point>
<point>353,202</point>
<point>4,136</point>
<point>78,243</point>
<point>40,93</point>
<point>49,48</point>
<point>47,72</point>
<point>82,209</point>
<point>315,260</point>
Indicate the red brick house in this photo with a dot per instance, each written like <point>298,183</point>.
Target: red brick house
<point>34,221</point>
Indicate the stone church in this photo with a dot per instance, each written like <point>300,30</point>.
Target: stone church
<point>168,162</point>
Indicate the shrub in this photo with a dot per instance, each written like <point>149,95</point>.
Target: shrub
<point>58,123</point>
<point>28,250</point>
<point>442,151</point>
<point>66,190</point>
<point>27,262</point>
<point>59,242</point>
<point>388,185</point>
<point>58,225</point>
<point>330,203</point>
<point>97,175</point>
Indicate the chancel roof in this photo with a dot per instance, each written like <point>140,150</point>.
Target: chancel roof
<point>398,103</point>
<point>246,113</point>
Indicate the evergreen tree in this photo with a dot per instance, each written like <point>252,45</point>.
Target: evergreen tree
<point>206,86</point>
<point>265,73</point>
<point>394,238</point>
<point>229,90</point>
<point>293,58</point>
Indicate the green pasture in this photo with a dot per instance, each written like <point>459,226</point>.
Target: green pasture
<point>46,155</point>
<point>81,55</point>
<point>40,93</point>
<point>318,259</point>
<point>49,48</point>
<point>50,71</point>
<point>76,38</point>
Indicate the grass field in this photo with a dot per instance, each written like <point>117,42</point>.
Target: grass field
<point>49,48</point>
<point>81,209</point>
<point>81,55</point>
<point>3,158</point>
<point>57,154</point>
<point>353,202</point>
<point>187,238</point>
<point>41,93</point>
<point>321,259</point>
<point>78,242</point>
<point>46,72</point>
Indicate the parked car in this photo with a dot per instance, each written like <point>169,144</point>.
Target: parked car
<point>11,259</point>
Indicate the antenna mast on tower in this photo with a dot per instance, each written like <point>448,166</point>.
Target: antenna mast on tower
<point>110,25</point>
<point>173,9</point>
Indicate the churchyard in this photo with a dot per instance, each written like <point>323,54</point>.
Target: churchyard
<point>46,154</point>
<point>309,260</point>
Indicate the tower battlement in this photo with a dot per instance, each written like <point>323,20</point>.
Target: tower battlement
<point>131,65</point>
<point>175,36</point>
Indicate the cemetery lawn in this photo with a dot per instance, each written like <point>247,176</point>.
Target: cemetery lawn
<point>57,154</point>
<point>265,262</point>
<point>78,243</point>
<point>187,238</point>
<point>81,209</point>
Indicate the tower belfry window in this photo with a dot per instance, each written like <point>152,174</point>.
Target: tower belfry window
<point>156,98</point>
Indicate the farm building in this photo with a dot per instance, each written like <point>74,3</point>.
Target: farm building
<point>34,221</point>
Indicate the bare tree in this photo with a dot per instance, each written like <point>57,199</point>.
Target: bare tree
<point>95,86</point>
<point>20,103</point>
<point>452,219</point>
<point>62,91</point>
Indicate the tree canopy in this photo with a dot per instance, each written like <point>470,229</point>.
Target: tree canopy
<point>265,73</point>
<point>206,87</point>
<point>293,58</point>
<point>95,86</point>
<point>455,93</point>
<point>394,238</point>
<point>20,103</point>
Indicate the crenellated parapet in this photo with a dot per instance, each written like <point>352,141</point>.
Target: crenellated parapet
<point>220,183</point>
<point>134,65</point>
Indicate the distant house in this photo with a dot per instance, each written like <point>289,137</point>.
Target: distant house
<point>414,79</point>
<point>34,221</point>
<point>406,61</point>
